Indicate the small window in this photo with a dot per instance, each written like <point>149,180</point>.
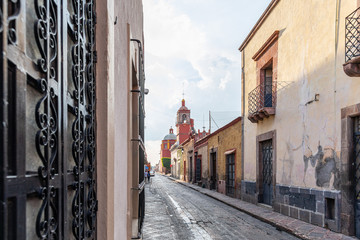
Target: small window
<point>330,208</point>
<point>268,87</point>
<point>184,118</point>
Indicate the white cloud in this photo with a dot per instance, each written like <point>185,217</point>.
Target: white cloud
<point>152,151</point>
<point>193,43</point>
<point>224,81</point>
<point>171,33</point>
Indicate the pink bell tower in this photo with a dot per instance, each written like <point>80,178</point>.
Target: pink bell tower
<point>183,123</point>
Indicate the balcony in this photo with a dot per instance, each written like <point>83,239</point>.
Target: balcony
<point>262,100</point>
<point>352,44</point>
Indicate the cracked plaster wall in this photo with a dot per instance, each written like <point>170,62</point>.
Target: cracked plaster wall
<point>311,57</point>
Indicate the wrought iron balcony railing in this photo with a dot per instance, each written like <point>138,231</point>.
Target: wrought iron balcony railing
<point>262,100</point>
<point>352,35</point>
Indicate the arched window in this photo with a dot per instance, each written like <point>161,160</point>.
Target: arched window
<point>184,118</point>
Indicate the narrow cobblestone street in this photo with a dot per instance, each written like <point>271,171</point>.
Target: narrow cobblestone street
<point>174,211</point>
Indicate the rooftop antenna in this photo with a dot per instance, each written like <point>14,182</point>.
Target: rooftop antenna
<point>203,122</point>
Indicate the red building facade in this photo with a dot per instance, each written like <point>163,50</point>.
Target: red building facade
<point>165,155</point>
<point>184,127</point>
<point>184,124</point>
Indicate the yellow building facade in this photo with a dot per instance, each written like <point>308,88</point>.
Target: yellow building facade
<point>223,144</point>
<point>299,113</point>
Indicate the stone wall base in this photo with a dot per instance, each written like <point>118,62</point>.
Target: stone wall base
<point>318,207</point>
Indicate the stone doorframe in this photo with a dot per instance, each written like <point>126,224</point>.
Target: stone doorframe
<point>271,135</point>
<point>213,150</point>
<point>347,153</point>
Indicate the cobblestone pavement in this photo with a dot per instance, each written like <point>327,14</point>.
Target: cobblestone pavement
<point>291,225</point>
<point>174,211</point>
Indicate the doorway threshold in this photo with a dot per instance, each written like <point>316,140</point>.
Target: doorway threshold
<point>265,206</point>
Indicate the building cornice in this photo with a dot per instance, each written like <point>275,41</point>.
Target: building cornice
<point>233,122</point>
<point>274,37</point>
<point>258,24</point>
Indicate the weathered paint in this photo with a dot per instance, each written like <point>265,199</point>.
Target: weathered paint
<point>188,148</point>
<point>227,138</point>
<point>326,165</point>
<point>310,55</point>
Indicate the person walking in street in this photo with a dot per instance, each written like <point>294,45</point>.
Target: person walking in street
<point>146,176</point>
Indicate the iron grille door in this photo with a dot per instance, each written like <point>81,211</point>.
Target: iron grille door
<point>213,173</point>
<point>47,148</point>
<point>191,170</point>
<point>267,160</point>
<point>230,174</point>
<point>198,170</point>
<point>357,174</point>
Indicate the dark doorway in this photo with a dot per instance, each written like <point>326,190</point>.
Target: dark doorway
<point>191,170</point>
<point>213,178</point>
<point>198,169</point>
<point>185,171</point>
<point>267,161</point>
<point>357,174</point>
<point>230,174</point>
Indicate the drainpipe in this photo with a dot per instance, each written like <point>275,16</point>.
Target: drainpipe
<point>335,58</point>
<point>242,113</point>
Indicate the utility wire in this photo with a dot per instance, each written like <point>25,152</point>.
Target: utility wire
<point>214,121</point>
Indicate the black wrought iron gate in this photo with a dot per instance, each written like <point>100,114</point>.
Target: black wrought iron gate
<point>267,161</point>
<point>198,170</point>
<point>230,174</point>
<point>357,174</point>
<point>47,112</point>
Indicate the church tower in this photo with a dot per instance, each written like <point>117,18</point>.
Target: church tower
<point>184,123</point>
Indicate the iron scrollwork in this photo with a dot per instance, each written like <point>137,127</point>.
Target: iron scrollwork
<point>46,139</point>
<point>14,10</point>
<point>267,162</point>
<point>1,18</point>
<point>84,205</point>
<point>90,87</point>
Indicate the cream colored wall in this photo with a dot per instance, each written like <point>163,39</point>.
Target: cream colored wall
<point>116,22</point>
<point>180,164</point>
<point>105,125</point>
<point>309,57</point>
<point>186,157</point>
<point>203,151</point>
<point>173,157</point>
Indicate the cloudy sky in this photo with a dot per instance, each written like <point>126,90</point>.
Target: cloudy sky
<point>192,45</point>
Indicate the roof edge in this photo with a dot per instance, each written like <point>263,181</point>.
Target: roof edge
<point>258,24</point>
<point>233,122</point>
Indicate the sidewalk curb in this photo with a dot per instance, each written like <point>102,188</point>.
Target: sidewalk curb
<point>278,226</point>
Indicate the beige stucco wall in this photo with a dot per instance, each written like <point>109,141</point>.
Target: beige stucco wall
<point>180,167</point>
<point>227,139</point>
<point>177,160</point>
<point>310,55</point>
<point>116,22</point>
<point>173,152</point>
<point>188,152</point>
<point>203,151</point>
